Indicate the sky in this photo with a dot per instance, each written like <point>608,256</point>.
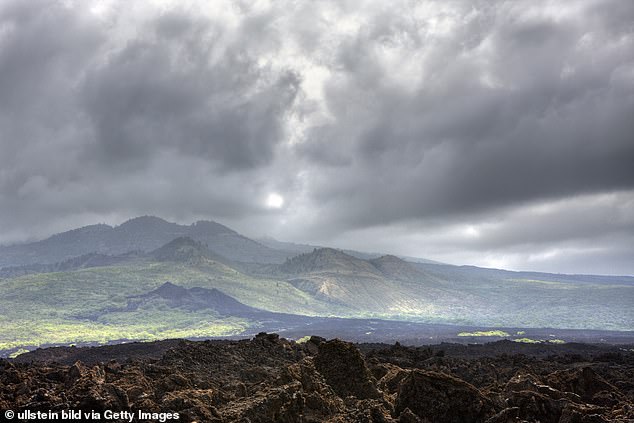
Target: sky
<point>492,133</point>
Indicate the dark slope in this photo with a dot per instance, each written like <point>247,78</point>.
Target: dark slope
<point>217,304</point>
<point>185,249</point>
<point>196,299</point>
<point>145,234</point>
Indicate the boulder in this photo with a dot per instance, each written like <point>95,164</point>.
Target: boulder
<point>345,370</point>
<point>442,398</point>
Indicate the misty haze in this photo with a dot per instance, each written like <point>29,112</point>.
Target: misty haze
<point>279,211</point>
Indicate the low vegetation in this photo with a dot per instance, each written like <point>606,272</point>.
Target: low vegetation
<point>540,341</point>
<point>498,333</point>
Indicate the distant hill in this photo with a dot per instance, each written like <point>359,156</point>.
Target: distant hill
<point>85,261</point>
<point>395,268</point>
<point>327,259</point>
<point>297,248</point>
<point>95,290</point>
<point>386,284</point>
<point>145,234</point>
<point>185,249</point>
<point>195,299</point>
<point>100,297</point>
<point>291,247</point>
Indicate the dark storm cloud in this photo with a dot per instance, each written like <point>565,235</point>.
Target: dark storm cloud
<point>484,132</point>
<point>112,118</point>
<point>163,90</point>
<point>39,126</point>
<point>552,120</point>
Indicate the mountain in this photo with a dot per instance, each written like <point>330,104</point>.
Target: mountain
<point>393,267</point>
<point>195,299</point>
<point>57,248</point>
<point>85,261</point>
<point>185,249</point>
<point>286,246</point>
<point>474,276</point>
<point>87,298</point>
<point>234,246</point>
<point>145,234</point>
<point>386,285</point>
<point>295,249</point>
<point>327,260</point>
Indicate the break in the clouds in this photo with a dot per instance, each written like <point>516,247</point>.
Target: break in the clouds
<point>490,133</point>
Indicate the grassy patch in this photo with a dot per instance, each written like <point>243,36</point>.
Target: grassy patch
<point>18,352</point>
<point>539,341</point>
<point>499,333</point>
<point>136,326</point>
<point>528,341</point>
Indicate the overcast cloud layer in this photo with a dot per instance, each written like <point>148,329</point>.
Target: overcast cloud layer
<point>488,133</point>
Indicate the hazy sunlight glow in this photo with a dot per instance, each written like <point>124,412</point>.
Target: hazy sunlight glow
<point>274,201</point>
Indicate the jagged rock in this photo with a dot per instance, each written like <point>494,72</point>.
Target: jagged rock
<point>574,413</point>
<point>536,406</point>
<point>22,389</point>
<point>270,379</point>
<point>173,382</point>
<point>370,411</point>
<point>312,345</point>
<point>587,384</point>
<point>442,398</point>
<point>320,401</point>
<point>407,416</point>
<point>528,382</point>
<point>280,404</point>
<point>345,370</point>
<point>192,405</point>
<point>391,381</point>
<point>508,415</point>
<point>271,337</point>
<point>89,387</point>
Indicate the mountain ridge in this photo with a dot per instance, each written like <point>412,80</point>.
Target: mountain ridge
<point>300,248</point>
<point>326,260</point>
<point>395,267</point>
<point>185,249</point>
<point>85,299</point>
<point>144,233</point>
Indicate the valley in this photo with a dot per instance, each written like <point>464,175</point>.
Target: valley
<point>185,289</point>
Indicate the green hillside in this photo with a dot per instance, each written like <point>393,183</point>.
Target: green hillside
<point>395,289</point>
<point>89,304</point>
<point>59,307</point>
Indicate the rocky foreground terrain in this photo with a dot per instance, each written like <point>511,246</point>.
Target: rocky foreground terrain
<point>271,379</point>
